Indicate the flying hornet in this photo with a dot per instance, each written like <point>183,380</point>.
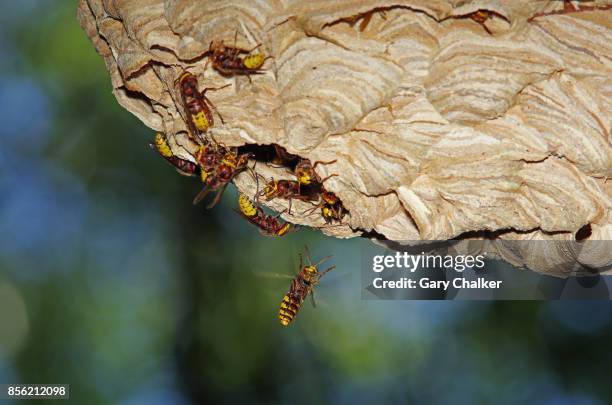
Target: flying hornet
<point>197,106</point>
<point>268,225</point>
<point>301,287</point>
<point>184,167</point>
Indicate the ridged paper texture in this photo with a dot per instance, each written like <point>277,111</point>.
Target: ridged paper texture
<point>442,126</point>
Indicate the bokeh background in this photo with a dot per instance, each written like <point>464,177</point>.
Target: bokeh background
<point>111,281</point>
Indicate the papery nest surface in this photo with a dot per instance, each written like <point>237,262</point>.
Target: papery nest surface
<point>446,119</point>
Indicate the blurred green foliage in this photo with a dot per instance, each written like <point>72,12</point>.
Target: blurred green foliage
<point>112,282</point>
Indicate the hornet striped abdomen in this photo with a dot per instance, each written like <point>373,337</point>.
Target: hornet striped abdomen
<point>289,309</point>
<point>184,167</point>
<point>246,206</point>
<point>268,225</point>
